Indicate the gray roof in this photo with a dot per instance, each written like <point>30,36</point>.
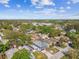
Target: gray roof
<point>40,44</point>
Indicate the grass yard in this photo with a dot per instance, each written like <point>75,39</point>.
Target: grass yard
<point>52,50</point>
<point>39,55</point>
<point>64,57</point>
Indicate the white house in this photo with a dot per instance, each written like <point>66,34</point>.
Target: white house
<point>73,30</point>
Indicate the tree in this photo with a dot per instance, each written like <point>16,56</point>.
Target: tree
<point>72,54</point>
<point>22,54</point>
<point>44,29</point>
<point>3,47</point>
<point>25,27</point>
<point>74,37</point>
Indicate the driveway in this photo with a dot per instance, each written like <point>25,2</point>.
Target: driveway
<point>49,55</point>
<point>9,53</point>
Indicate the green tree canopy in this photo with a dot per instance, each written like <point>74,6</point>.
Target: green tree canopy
<point>22,54</point>
<point>74,37</point>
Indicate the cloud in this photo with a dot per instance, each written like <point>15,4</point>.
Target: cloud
<point>46,2</point>
<point>69,2</point>
<point>7,5</point>
<point>34,2</point>
<point>46,11</point>
<point>18,5</point>
<point>4,1</point>
<point>68,7</point>
<point>42,2</point>
<point>61,10</point>
<point>74,17</point>
<point>75,1</point>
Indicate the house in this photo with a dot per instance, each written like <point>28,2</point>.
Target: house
<point>35,36</point>
<point>15,29</point>
<point>72,30</point>
<point>45,38</point>
<point>39,45</point>
<point>64,38</point>
<point>63,33</point>
<point>56,40</point>
<point>59,27</point>
<point>4,41</point>
<point>41,41</point>
<point>1,34</point>
<point>41,24</point>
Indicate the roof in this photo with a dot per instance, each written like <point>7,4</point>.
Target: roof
<point>40,44</point>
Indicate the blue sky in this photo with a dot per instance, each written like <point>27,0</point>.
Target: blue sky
<point>39,9</point>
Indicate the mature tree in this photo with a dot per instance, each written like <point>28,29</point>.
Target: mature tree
<point>22,54</point>
<point>45,29</point>
<point>25,27</point>
<point>74,37</point>
<point>72,54</point>
<point>3,47</point>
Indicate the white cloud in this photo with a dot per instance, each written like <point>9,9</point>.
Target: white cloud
<point>4,1</point>
<point>39,7</point>
<point>46,2</point>
<point>46,11</point>
<point>34,2</point>
<point>74,17</point>
<point>75,1</point>
<point>7,5</point>
<point>69,2</point>
<point>62,10</point>
<point>68,7</point>
<point>18,5</point>
<point>42,2</point>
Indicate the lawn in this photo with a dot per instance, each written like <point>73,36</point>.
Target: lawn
<point>53,50</point>
<point>63,45</point>
<point>64,57</point>
<point>39,55</point>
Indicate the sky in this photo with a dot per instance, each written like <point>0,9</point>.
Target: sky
<point>39,9</point>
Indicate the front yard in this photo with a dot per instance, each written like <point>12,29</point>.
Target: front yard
<point>52,50</point>
<point>39,55</point>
